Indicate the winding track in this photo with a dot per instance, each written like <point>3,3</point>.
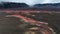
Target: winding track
<point>44,30</point>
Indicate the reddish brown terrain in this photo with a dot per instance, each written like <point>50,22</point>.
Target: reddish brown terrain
<point>40,20</point>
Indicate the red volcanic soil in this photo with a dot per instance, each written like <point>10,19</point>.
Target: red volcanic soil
<point>15,13</point>
<point>27,11</point>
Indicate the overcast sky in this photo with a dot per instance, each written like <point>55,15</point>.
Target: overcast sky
<point>32,2</point>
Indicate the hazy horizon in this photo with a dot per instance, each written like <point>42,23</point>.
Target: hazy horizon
<point>32,2</point>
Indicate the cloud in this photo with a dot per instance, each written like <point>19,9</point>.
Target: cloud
<point>51,1</point>
<point>46,1</point>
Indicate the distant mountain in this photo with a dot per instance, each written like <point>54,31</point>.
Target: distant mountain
<point>13,5</point>
<point>49,6</point>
